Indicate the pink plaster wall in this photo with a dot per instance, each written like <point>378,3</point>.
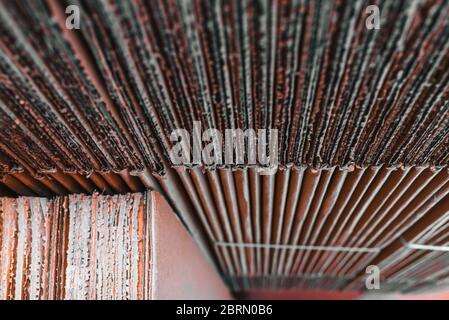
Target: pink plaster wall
<point>180,270</point>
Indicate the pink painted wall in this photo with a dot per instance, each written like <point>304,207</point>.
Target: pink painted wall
<point>180,270</point>
<point>427,296</point>
<point>398,296</point>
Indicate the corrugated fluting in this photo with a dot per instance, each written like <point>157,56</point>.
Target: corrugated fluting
<point>107,96</point>
<point>419,260</point>
<point>307,228</point>
<point>76,247</point>
<point>57,183</point>
<point>363,120</point>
